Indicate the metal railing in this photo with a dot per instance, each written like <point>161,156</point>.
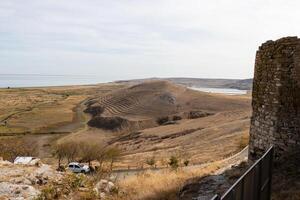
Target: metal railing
<point>255,183</point>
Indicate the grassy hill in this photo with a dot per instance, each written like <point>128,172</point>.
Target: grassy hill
<point>242,84</point>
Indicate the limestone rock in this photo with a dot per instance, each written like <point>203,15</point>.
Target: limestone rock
<point>104,187</point>
<point>16,191</point>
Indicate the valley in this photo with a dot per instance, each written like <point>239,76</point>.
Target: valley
<point>148,123</point>
<point>152,119</point>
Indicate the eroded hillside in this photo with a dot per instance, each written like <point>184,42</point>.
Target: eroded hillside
<point>159,119</point>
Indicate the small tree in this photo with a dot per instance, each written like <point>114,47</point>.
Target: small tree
<point>151,161</point>
<point>71,151</point>
<point>90,152</point>
<point>59,152</point>
<point>186,163</point>
<point>11,148</point>
<point>112,155</point>
<point>174,163</point>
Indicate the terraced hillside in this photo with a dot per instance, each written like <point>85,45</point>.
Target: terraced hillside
<point>145,100</point>
<point>156,102</point>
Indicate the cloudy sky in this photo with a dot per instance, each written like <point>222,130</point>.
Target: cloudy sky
<point>123,39</point>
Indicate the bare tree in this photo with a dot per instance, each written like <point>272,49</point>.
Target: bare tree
<point>90,152</point>
<point>112,154</point>
<point>59,152</point>
<point>72,150</point>
<point>11,148</point>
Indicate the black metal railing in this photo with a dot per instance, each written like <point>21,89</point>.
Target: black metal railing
<point>255,183</point>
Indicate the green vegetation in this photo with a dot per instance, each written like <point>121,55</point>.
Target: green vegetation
<point>174,162</point>
<point>151,162</point>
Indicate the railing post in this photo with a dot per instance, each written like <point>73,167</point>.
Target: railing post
<point>259,181</point>
<point>256,186</point>
<point>270,173</point>
<point>216,197</point>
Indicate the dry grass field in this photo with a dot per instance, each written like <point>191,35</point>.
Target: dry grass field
<point>152,121</point>
<point>158,120</point>
<point>44,110</point>
<point>200,139</point>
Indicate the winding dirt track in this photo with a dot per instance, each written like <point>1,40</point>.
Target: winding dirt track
<point>225,164</point>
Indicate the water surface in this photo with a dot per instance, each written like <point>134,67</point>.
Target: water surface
<point>27,80</point>
<point>227,91</point>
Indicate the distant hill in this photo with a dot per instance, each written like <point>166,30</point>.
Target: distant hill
<point>147,102</point>
<point>242,84</point>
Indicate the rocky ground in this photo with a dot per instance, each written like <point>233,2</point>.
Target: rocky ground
<point>41,181</point>
<point>23,182</point>
<point>217,183</point>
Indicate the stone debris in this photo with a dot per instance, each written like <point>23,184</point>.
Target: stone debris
<point>205,188</point>
<point>23,181</point>
<point>104,187</point>
<point>17,191</point>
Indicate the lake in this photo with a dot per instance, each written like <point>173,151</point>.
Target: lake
<point>227,91</point>
<point>22,80</point>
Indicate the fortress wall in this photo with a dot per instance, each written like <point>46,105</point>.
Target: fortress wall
<point>276,98</point>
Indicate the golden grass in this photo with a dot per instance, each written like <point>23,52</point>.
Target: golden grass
<point>244,140</point>
<point>31,110</point>
<point>164,184</point>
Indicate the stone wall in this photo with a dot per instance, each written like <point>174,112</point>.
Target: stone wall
<point>276,98</point>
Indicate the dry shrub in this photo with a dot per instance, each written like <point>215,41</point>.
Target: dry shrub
<point>177,118</point>
<point>69,185</point>
<point>198,114</point>
<point>162,120</point>
<point>107,123</point>
<point>164,184</point>
<point>94,110</point>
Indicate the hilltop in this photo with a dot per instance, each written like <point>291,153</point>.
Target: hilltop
<point>242,84</point>
<point>153,101</point>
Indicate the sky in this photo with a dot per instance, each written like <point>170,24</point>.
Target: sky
<point>124,39</point>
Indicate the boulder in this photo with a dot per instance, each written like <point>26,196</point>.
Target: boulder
<point>16,191</point>
<point>105,187</point>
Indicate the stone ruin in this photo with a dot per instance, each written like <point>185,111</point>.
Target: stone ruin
<point>276,98</point>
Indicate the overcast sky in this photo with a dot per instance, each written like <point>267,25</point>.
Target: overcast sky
<point>123,39</point>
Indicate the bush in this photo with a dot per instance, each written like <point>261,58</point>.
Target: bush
<point>107,123</point>
<point>186,163</point>
<point>198,114</point>
<point>177,118</point>
<point>111,155</point>
<point>162,120</point>
<point>151,161</point>
<point>94,110</point>
<point>70,183</point>
<point>174,163</point>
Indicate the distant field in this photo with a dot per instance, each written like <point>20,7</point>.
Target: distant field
<point>44,110</point>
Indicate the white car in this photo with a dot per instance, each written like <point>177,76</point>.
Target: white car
<point>78,168</point>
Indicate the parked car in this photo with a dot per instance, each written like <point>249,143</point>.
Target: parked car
<point>78,168</point>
